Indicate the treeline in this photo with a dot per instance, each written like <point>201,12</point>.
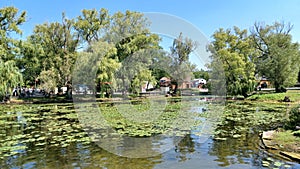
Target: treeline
<point>268,50</point>
<point>48,56</point>
<point>126,53</point>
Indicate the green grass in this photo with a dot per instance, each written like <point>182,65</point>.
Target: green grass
<point>286,137</point>
<point>287,140</point>
<point>294,96</point>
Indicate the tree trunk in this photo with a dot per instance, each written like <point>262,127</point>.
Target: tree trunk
<point>69,90</point>
<point>176,88</point>
<point>279,88</point>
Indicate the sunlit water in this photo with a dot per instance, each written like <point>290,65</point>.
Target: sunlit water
<point>26,143</point>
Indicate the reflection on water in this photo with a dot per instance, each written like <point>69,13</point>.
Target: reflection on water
<point>49,136</point>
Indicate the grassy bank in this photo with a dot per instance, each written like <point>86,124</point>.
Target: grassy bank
<point>294,96</point>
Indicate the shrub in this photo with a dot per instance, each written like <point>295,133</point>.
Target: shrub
<point>294,118</point>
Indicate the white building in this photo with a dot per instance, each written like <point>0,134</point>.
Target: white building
<point>197,82</point>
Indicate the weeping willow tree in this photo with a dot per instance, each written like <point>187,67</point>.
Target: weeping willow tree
<point>10,77</point>
<point>232,50</point>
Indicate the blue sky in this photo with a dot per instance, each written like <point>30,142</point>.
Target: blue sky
<point>206,15</point>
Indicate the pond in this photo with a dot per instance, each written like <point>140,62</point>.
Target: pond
<point>55,136</point>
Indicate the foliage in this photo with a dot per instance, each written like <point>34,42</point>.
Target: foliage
<point>144,77</point>
<point>279,57</point>
<point>285,137</point>
<point>48,80</point>
<point>201,74</point>
<point>10,77</point>
<point>182,48</point>
<point>131,70</point>
<point>9,25</point>
<point>31,61</point>
<point>97,61</point>
<point>232,52</point>
<point>91,24</point>
<point>292,94</point>
<point>113,41</point>
<point>294,118</point>
<point>181,68</point>
<point>134,45</point>
<point>59,43</point>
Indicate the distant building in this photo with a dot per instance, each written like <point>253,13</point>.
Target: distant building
<point>164,82</point>
<point>264,82</point>
<point>198,83</point>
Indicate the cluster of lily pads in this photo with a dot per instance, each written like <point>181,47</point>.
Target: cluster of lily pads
<point>34,126</point>
<point>241,118</point>
<point>144,119</point>
<point>26,127</point>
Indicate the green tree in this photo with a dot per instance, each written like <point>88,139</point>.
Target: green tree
<point>232,52</point>
<point>97,62</point>
<point>144,77</point>
<point>10,77</point>
<point>59,42</point>
<point>182,48</point>
<point>136,68</point>
<point>111,41</point>
<point>107,66</point>
<point>201,74</point>
<point>48,80</point>
<point>180,51</point>
<point>30,61</point>
<point>130,34</point>
<point>279,57</point>
<point>9,24</point>
<point>92,24</point>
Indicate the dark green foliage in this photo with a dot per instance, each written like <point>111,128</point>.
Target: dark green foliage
<point>278,57</point>
<point>294,118</point>
<point>201,74</point>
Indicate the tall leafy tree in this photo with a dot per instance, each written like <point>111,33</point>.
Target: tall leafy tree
<point>279,57</point>
<point>97,61</point>
<point>30,60</point>
<point>10,76</point>
<point>91,25</point>
<point>182,48</point>
<point>130,34</point>
<point>107,66</point>
<point>180,52</point>
<point>10,20</point>
<point>232,51</point>
<point>59,43</point>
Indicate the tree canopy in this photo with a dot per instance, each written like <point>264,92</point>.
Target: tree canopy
<point>10,76</point>
<point>279,57</point>
<point>124,54</point>
<point>233,50</point>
